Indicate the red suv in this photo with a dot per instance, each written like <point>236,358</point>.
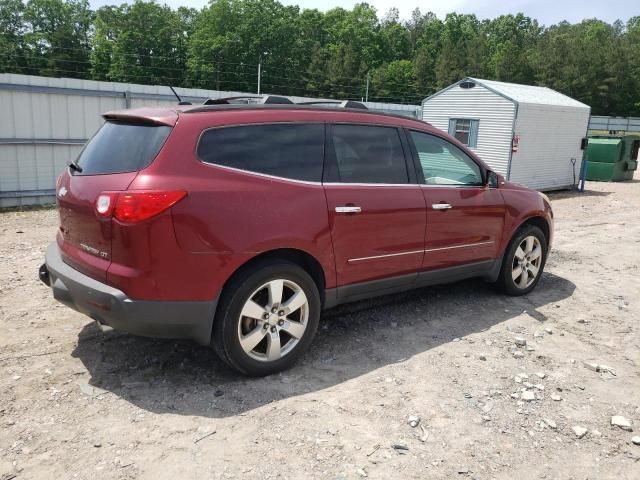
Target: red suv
<point>235,225</point>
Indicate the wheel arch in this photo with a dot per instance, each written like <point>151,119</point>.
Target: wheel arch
<point>537,221</point>
<point>300,257</point>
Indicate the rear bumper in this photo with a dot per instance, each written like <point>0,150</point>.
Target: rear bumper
<point>112,307</point>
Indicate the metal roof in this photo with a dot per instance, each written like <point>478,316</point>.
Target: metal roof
<point>529,93</point>
<point>518,93</point>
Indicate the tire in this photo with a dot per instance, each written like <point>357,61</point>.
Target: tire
<point>529,266</point>
<point>254,293</point>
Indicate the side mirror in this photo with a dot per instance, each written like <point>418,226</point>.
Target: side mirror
<point>492,179</point>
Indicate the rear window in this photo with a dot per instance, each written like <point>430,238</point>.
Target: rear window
<point>122,147</point>
<point>284,150</point>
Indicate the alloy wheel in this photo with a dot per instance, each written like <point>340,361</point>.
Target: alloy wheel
<point>526,262</point>
<point>273,320</point>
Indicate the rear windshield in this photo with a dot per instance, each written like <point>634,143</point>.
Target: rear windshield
<point>122,147</point>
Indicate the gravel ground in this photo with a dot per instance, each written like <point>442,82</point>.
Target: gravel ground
<point>77,403</point>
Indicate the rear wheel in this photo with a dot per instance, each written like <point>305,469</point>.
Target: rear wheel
<point>267,318</point>
<point>524,261</point>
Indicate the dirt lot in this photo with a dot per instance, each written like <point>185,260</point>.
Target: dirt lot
<point>77,403</point>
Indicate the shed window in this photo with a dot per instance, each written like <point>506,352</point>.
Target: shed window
<point>465,130</point>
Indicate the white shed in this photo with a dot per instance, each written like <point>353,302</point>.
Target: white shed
<point>531,135</point>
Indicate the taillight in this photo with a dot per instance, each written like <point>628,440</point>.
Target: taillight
<point>135,206</point>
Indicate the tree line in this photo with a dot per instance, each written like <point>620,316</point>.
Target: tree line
<point>339,53</point>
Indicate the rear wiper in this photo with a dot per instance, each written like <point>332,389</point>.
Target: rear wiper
<point>73,165</point>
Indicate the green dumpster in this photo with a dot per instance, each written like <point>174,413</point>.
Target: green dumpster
<point>612,158</point>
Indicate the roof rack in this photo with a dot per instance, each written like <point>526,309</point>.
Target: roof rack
<point>208,108</point>
<point>340,104</point>
<point>278,100</point>
<point>262,100</point>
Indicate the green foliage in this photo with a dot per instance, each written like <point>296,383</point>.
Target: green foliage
<point>141,43</point>
<point>394,81</point>
<point>463,49</point>
<point>231,37</point>
<point>311,53</point>
<point>511,41</point>
<point>591,61</point>
<point>12,30</point>
<point>45,37</point>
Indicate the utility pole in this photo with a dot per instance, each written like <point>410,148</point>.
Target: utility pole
<point>259,74</point>
<point>366,95</point>
<point>218,71</point>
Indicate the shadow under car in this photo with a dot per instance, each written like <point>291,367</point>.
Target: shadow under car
<point>182,377</point>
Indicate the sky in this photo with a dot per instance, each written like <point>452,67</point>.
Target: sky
<point>547,12</point>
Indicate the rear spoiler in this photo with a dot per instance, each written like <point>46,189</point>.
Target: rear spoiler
<point>144,116</point>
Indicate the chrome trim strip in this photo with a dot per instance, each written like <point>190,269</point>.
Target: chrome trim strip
<point>341,184</point>
<point>364,259</point>
<point>258,174</point>
<point>424,185</point>
<point>307,182</point>
<point>477,244</point>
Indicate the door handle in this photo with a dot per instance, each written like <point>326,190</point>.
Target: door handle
<point>441,206</point>
<point>348,209</point>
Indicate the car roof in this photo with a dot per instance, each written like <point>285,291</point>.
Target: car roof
<point>169,115</point>
<point>340,112</point>
<point>206,116</point>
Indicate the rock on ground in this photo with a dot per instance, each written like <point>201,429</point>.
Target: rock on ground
<point>620,421</point>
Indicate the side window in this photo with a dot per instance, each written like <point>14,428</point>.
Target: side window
<point>366,154</point>
<point>293,151</point>
<point>465,130</point>
<point>443,163</point>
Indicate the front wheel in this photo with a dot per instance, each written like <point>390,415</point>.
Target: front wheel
<point>524,261</point>
<point>267,318</point>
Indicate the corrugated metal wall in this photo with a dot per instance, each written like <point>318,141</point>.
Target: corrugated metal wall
<point>549,138</point>
<point>45,121</point>
<point>495,113</point>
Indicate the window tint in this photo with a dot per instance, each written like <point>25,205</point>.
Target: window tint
<point>367,154</point>
<point>443,163</point>
<point>122,147</point>
<point>284,150</point>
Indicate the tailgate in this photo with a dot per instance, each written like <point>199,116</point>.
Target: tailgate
<point>109,162</point>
